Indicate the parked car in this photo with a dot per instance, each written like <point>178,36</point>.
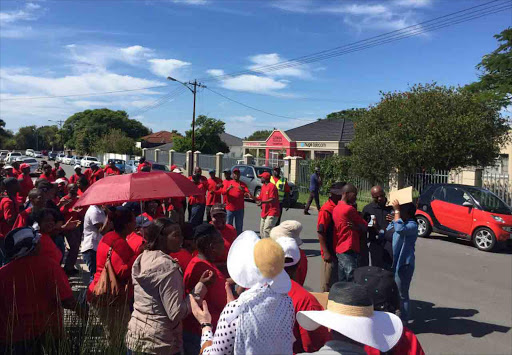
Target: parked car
<point>87,160</point>
<point>75,159</point>
<point>60,157</point>
<point>37,154</point>
<point>29,152</point>
<point>11,156</point>
<point>131,166</point>
<point>3,154</point>
<point>30,161</point>
<point>52,155</point>
<point>120,164</point>
<point>250,175</point>
<point>466,212</point>
<point>157,166</point>
<point>67,159</point>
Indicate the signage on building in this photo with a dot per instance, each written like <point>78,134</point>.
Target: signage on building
<point>313,144</point>
<point>254,144</point>
<point>277,140</point>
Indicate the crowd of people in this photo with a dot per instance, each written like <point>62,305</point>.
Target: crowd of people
<point>163,284</point>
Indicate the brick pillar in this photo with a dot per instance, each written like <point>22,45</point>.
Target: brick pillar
<point>144,151</point>
<point>156,155</point>
<point>196,159</point>
<point>294,169</point>
<point>286,167</point>
<point>171,157</point>
<point>188,160</point>
<point>219,160</point>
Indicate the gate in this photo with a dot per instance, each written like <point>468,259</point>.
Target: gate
<point>422,179</point>
<point>498,184</point>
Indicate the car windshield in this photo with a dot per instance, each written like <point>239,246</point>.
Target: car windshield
<point>16,154</point>
<point>92,159</point>
<point>489,201</point>
<point>117,161</point>
<point>29,161</point>
<point>260,170</point>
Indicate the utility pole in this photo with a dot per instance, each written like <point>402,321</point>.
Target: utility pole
<point>192,86</point>
<point>59,122</point>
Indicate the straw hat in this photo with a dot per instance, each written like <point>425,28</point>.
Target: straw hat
<point>349,311</point>
<point>288,228</point>
<point>255,262</point>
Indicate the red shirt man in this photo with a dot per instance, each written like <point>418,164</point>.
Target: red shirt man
<point>78,172</point>
<point>47,173</point>
<point>214,189</point>
<point>306,341</point>
<point>93,174</point>
<point>183,257</point>
<point>25,182</point>
<point>54,170</point>
<point>202,184</point>
<point>112,169</point>
<point>269,192</point>
<point>142,164</point>
<point>234,197</point>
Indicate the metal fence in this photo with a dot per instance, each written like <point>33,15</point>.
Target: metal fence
<point>180,159</point>
<point>163,157</point>
<point>499,184</point>
<point>206,162</point>
<point>229,162</point>
<point>422,179</point>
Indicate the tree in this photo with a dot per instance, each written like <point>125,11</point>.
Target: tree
<point>83,129</point>
<point>428,127</point>
<point>495,80</point>
<point>5,135</point>
<point>261,135</point>
<point>350,114</point>
<point>115,141</point>
<point>207,137</point>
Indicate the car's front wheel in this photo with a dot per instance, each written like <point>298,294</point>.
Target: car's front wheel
<point>424,227</point>
<point>484,239</point>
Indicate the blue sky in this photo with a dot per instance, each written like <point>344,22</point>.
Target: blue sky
<point>65,47</point>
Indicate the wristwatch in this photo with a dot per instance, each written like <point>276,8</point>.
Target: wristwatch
<point>205,325</point>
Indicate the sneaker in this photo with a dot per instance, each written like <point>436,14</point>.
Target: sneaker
<point>307,213</point>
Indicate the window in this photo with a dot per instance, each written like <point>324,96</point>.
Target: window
<point>455,195</point>
<point>261,170</point>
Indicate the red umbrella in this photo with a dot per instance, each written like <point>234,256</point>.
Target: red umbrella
<point>142,186</point>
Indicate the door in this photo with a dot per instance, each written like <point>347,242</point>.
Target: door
<point>450,213</point>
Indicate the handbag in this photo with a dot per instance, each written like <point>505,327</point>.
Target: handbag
<point>108,291</point>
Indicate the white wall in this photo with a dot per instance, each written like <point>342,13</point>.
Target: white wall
<point>236,152</point>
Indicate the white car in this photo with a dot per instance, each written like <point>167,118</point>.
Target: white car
<point>11,157</point>
<point>29,152</point>
<point>87,160</point>
<point>131,166</point>
<point>60,157</point>
<point>30,161</point>
<point>75,160</point>
<point>67,159</point>
<point>37,154</point>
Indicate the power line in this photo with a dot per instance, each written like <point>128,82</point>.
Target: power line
<point>76,95</point>
<point>451,19</point>
<point>160,101</point>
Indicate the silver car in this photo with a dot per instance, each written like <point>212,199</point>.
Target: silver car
<point>30,161</point>
<point>249,174</point>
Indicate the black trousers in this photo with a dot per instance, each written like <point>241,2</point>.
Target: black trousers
<point>313,195</point>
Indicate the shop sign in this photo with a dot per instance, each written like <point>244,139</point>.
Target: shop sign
<point>314,144</point>
<point>277,139</point>
<point>254,144</point>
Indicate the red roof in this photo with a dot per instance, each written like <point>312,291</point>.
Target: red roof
<point>160,137</point>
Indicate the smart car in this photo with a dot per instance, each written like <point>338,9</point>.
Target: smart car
<point>466,212</point>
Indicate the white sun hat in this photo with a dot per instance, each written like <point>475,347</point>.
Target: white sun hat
<point>254,262</point>
<point>291,250</point>
<point>349,311</point>
<point>287,228</point>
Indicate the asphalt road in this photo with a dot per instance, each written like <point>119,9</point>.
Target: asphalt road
<point>462,297</point>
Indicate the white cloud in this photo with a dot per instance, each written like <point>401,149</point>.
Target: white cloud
<point>253,83</point>
<point>413,3</point>
<point>242,119</point>
<point>167,67</point>
<point>357,9</point>
<point>136,53</point>
<point>9,21</point>
<point>215,72</point>
<point>191,2</point>
<point>262,60</point>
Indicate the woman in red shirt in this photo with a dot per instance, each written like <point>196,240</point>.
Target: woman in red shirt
<point>210,246</point>
<point>115,317</point>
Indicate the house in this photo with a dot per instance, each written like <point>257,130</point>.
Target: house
<point>156,139</point>
<point>234,143</point>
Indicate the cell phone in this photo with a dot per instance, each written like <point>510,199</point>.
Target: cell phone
<point>372,218</point>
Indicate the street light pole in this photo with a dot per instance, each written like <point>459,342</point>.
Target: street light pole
<point>59,122</point>
<point>193,90</point>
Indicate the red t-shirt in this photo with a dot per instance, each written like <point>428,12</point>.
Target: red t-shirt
<point>229,235</point>
<point>49,178</point>
<point>32,289</point>
<point>8,210</point>
<point>26,185</point>
<point>176,203</point>
<point>269,191</point>
<point>140,166</point>
<point>325,223</point>
<point>305,341</point>
<point>234,198</point>
<point>215,297</point>
<point>201,198</point>
<point>74,179</point>
<point>93,176</point>
<point>49,250</point>
<point>183,256</point>
<point>214,192</point>
<point>345,237</point>
<point>22,219</point>
<point>407,345</point>
<point>54,172</point>
<point>112,171</point>
<point>122,259</point>
<point>302,269</point>
<point>136,242</point>
<point>67,210</point>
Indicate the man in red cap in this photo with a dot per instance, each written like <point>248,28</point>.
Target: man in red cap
<point>234,192</point>
<point>25,182</point>
<point>269,202</point>
<point>214,193</point>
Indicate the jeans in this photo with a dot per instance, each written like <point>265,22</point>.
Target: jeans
<point>266,224</point>
<point>90,260</point>
<point>196,215</point>
<point>238,218</point>
<point>347,263</point>
<point>313,195</point>
<point>208,216</point>
<point>403,278</point>
<point>74,239</point>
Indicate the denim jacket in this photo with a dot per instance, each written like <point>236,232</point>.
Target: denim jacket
<point>404,241</point>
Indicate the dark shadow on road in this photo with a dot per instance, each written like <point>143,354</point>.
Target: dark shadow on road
<point>311,252</point>
<point>501,248</point>
<point>429,319</point>
<point>307,241</point>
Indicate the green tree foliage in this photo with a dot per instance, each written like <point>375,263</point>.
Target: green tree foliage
<point>5,136</point>
<point>350,114</point>
<point>207,137</point>
<point>333,169</point>
<point>495,80</point>
<point>115,141</point>
<point>261,135</point>
<point>428,127</point>
<point>83,129</point>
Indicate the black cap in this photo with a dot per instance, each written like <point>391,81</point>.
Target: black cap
<point>203,229</point>
<point>381,287</point>
<point>349,294</point>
